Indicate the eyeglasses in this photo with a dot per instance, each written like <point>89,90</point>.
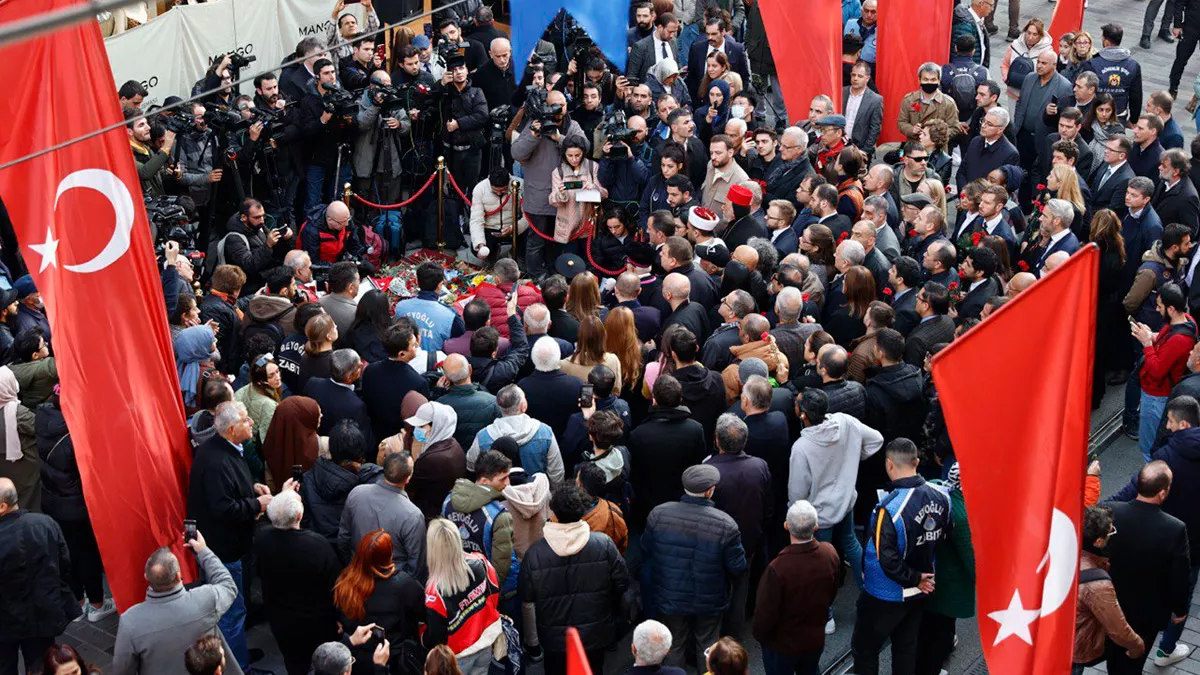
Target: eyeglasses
<point>922,158</point>
<point>788,147</point>
<point>1115,150</point>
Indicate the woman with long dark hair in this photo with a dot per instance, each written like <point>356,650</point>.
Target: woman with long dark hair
<point>372,318</point>
<point>845,323</point>
<point>817,244</point>
<point>583,297</point>
<point>607,254</point>
<point>262,395</point>
<point>62,659</point>
<point>1110,315</point>
<point>654,197</point>
<point>574,170</point>
<point>372,591</point>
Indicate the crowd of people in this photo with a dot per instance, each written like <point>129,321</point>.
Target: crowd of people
<point>695,402</point>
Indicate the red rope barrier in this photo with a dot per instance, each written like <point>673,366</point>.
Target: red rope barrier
<point>583,232</point>
<point>486,214</point>
<point>386,207</point>
<point>588,250</point>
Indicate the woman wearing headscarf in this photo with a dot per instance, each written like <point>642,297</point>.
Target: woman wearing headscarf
<point>438,459</point>
<point>21,463</point>
<point>711,117</point>
<point>195,354</point>
<point>291,439</point>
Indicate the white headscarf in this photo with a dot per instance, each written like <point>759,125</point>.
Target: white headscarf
<point>443,424</point>
<point>9,389</point>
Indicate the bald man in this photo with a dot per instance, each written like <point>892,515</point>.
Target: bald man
<point>333,239</point>
<point>1054,260</point>
<point>691,315</point>
<point>496,77</point>
<point>1019,282</point>
<point>476,408</point>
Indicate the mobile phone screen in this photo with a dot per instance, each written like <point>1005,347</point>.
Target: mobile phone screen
<point>586,396</point>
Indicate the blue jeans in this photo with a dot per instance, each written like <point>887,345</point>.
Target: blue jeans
<point>233,622</point>
<point>801,664</point>
<point>842,536</point>
<point>1151,414</point>
<point>315,178</point>
<point>1171,633</point>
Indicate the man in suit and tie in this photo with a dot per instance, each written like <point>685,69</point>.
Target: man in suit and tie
<point>934,326</point>
<point>876,263</point>
<point>1070,122</point>
<point>1112,177</point>
<point>980,282</point>
<point>1175,200</point>
<point>335,394</point>
<point>659,45</point>
<point>990,150</point>
<point>864,109</point>
<point>1056,224</point>
<point>717,40</point>
<point>993,218</point>
<point>904,277</point>
<point>780,214</point>
<point>875,209</point>
<point>1149,564</point>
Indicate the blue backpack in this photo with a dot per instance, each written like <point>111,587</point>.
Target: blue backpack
<point>390,228</point>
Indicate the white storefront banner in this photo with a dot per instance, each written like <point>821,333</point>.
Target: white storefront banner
<point>170,53</point>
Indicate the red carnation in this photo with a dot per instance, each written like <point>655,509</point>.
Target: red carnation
<point>1022,265</point>
<point>438,366</point>
<point>765,336</point>
<point>947,189</point>
<point>953,285</point>
<point>842,237</point>
<point>916,107</point>
<point>912,233</point>
<point>804,297</point>
<point>887,291</point>
<point>976,238</point>
<point>1041,186</point>
<point>962,274</point>
<point>1041,207</point>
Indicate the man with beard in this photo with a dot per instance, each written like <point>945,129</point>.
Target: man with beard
<point>151,163</point>
<point>723,173</point>
<point>742,224</point>
<point>644,16</point>
<point>464,110</point>
<point>639,102</point>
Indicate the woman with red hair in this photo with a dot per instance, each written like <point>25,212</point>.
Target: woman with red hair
<point>372,591</point>
<point>62,659</point>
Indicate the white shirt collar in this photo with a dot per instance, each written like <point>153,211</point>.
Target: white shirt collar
<point>1055,238</point>
<point>1138,213</point>
<point>994,222</point>
<point>976,284</point>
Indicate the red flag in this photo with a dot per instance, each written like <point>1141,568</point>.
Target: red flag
<point>577,661</point>
<point>1068,18</point>
<point>83,231</point>
<point>807,49</point>
<point>911,32</point>
<point>1021,452</point>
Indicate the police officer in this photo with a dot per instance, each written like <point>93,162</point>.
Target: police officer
<point>898,563</point>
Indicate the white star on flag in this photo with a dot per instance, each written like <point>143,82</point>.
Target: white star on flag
<point>1014,621</point>
<point>48,250</point>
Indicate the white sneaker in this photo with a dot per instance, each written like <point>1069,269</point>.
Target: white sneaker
<point>831,626</point>
<point>95,614</point>
<point>1180,653</point>
<point>83,612</point>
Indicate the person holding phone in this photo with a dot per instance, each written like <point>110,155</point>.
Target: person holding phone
<point>574,174</point>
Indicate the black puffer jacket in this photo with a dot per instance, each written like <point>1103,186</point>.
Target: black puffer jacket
<point>324,491</point>
<point>229,333</point>
<point>35,601</point>
<point>661,447</point>
<point>575,578</point>
<point>895,401</point>
<point>62,488</point>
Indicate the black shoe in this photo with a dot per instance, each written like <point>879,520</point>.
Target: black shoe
<point>1165,36</point>
<point>1014,33</point>
<point>992,28</point>
<point>1118,378</point>
<point>256,655</point>
<point>1145,43</point>
<point>1129,432</point>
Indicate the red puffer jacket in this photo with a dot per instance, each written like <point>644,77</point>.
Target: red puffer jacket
<point>496,296</point>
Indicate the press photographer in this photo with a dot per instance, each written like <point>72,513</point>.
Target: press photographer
<point>278,167</point>
<point>383,122</point>
<point>345,27</point>
<point>355,72</point>
<point>590,112</point>
<point>453,41</point>
<point>196,158</point>
<point>624,158</point>
<point>326,127</point>
<point>251,245</point>
<point>492,216</point>
<point>539,150</point>
<point>152,165</point>
<point>465,114</point>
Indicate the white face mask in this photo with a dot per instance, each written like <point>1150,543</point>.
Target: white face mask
<point>737,112</point>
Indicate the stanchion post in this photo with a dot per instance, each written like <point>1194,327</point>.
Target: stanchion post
<point>441,215</point>
<point>347,193</point>
<point>515,196</point>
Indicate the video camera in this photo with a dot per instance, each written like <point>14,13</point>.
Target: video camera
<point>170,220</point>
<point>538,110</point>
<point>238,61</point>
<point>447,50</point>
<point>617,131</point>
<point>338,101</point>
<point>177,123</point>
<point>395,100</point>
<point>499,119</point>
<point>222,119</point>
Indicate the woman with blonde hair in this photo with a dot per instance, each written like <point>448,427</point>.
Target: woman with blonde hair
<point>583,297</point>
<point>317,360</point>
<point>462,600</point>
<point>935,190</point>
<point>621,340</point>
<point>1063,183</point>
<point>589,352</point>
<point>1083,48</point>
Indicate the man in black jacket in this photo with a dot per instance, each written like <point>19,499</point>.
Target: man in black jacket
<point>933,304</point>
<point>321,136</point>
<point>683,311</point>
<point>495,78</point>
<point>220,305</point>
<point>464,111</point>
<point>1149,564</point>
<point>487,368</point>
<point>326,485</point>
<point>386,383</point>
<point>573,577</point>
<point>250,245</point>
<point>666,443</point>
<point>896,403</point>
<point>978,272</point>
<point>335,394</point>
<point>1175,199</point>
<point>703,389</point>
<point>225,503</point>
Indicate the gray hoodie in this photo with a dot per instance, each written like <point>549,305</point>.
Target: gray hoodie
<point>522,428</point>
<point>824,465</point>
<point>529,505</point>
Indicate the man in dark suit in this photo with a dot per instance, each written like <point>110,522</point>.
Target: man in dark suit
<point>647,320</point>
<point>689,314</point>
<point>552,395</point>
<point>1149,564</point>
<point>1140,227</point>
<point>1109,180</point>
<point>864,109</point>
<point>935,326</point>
<point>780,214</point>
<point>653,48</point>
<point>717,40</point>
<point>1070,121</point>
<point>824,206</point>
<point>1056,223</point>
<point>876,263</point>
<point>733,308</point>
<point>904,277</point>
<point>979,277</point>
<point>990,150</point>
<point>1146,150</point>
<point>1176,200</point>
<point>335,394</point>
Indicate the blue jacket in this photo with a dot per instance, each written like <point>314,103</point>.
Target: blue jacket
<point>1140,234</point>
<point>868,35</point>
<point>1120,77</point>
<point>436,321</point>
<point>904,530</point>
<point>691,551</point>
<point>1181,452</point>
<point>624,178</point>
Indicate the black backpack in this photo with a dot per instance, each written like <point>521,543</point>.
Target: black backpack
<point>962,89</point>
<point>1018,68</point>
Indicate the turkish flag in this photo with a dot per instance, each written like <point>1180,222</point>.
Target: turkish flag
<point>82,229</point>
<point>911,32</point>
<point>807,49</point>
<point>1017,392</point>
<point>577,661</point>
<point>1068,18</point>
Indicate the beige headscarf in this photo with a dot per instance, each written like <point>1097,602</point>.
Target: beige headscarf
<point>9,391</point>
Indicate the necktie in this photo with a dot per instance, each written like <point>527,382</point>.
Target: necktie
<point>664,50</point>
<point>1105,177</point>
<point>427,69</point>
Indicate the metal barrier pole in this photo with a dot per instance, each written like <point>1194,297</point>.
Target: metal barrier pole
<point>514,195</point>
<point>441,187</point>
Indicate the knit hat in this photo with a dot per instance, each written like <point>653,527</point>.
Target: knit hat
<point>739,195</point>
<point>752,366</point>
<point>702,219</point>
<point>24,287</point>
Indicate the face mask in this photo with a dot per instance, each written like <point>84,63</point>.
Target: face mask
<point>419,434</point>
<point>738,112</point>
<point>929,87</point>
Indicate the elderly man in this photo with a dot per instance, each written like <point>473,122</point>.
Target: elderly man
<point>1018,283</point>
<point>875,211</point>
<point>334,658</point>
<point>990,150</point>
<point>1056,224</point>
<point>153,635</point>
<point>225,502</point>
<point>650,645</point>
<point>917,108</point>
<point>495,78</point>
<point>795,596</point>
<point>386,505</point>
<point>876,262</point>
<point>335,394</point>
<point>301,264</point>
<point>553,395</point>
<point>476,408</point>
<point>793,166</point>
<point>537,443</point>
<point>938,262</point>
<point>1039,93</point>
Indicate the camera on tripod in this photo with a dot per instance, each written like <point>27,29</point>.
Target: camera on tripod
<point>617,131</point>
<point>238,61</point>
<point>538,110</point>
<point>499,119</point>
<point>221,119</point>
<point>338,101</point>
<point>170,220</point>
<point>179,123</point>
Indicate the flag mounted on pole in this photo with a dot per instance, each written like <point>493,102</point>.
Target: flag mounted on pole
<point>82,228</point>
<point>1067,18</point>
<point>813,38</point>
<point>1021,451</point>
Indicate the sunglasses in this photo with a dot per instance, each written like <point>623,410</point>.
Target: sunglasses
<point>262,361</point>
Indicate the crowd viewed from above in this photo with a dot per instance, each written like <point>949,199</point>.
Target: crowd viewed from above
<point>693,398</point>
